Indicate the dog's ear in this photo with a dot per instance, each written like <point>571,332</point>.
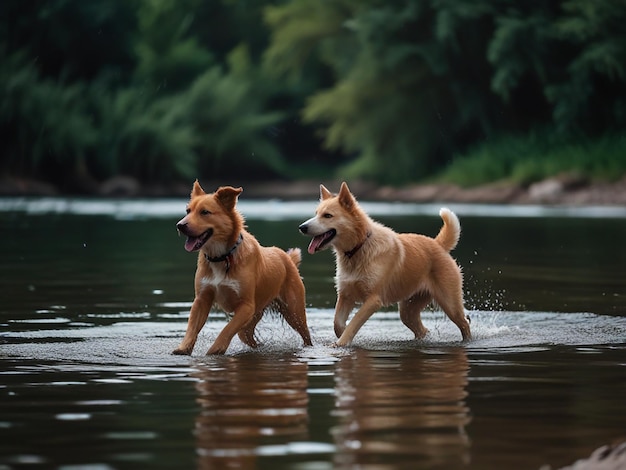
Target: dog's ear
<point>197,190</point>
<point>324,193</point>
<point>227,196</point>
<point>346,199</point>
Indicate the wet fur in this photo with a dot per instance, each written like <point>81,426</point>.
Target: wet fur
<point>250,281</point>
<point>376,266</point>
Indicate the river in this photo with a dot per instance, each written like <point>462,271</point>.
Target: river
<point>96,294</point>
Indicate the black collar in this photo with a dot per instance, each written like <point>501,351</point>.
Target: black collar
<point>352,252</point>
<point>227,256</point>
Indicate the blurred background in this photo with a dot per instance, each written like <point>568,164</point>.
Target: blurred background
<point>155,93</point>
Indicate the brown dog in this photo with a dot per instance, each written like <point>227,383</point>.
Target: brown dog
<point>236,273</point>
<point>377,266</point>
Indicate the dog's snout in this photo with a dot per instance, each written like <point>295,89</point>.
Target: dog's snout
<point>304,228</point>
<point>181,226</point>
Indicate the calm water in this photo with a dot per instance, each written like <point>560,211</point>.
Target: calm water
<point>95,295</point>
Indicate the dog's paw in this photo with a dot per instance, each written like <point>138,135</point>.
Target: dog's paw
<point>181,352</point>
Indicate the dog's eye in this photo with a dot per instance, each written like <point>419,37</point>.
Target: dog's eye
<point>204,212</point>
<point>188,210</point>
<point>327,215</point>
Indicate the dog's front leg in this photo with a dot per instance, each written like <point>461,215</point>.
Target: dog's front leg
<point>371,305</point>
<point>343,308</point>
<point>197,318</point>
<point>241,317</point>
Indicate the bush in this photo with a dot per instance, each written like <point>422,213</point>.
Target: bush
<point>45,124</point>
<point>526,159</point>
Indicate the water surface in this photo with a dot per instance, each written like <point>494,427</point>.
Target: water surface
<point>95,295</point>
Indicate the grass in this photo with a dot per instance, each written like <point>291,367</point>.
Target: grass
<point>526,159</point>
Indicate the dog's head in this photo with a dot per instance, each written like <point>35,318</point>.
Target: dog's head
<point>338,221</point>
<point>211,219</point>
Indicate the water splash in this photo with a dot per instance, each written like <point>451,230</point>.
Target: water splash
<point>136,339</point>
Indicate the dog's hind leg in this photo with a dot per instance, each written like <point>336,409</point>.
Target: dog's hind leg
<point>293,311</point>
<point>410,311</point>
<point>447,290</point>
<point>451,302</point>
<point>246,335</point>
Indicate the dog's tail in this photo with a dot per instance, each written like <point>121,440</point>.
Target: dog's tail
<point>296,255</point>
<point>449,234</point>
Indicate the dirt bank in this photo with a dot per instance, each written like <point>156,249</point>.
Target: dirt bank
<point>559,190</point>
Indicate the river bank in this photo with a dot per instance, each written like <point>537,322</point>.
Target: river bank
<point>559,190</point>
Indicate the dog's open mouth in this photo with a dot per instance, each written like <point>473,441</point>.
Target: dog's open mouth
<point>195,243</point>
<point>319,241</point>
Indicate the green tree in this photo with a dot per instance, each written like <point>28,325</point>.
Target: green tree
<point>393,102</point>
<point>392,91</point>
<point>73,40</point>
<point>44,125</point>
<point>592,97</point>
<point>142,136</point>
<point>229,113</point>
<point>415,83</point>
<point>169,55</point>
<point>155,102</point>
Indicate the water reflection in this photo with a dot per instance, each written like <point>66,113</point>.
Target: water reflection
<point>249,403</point>
<point>402,409</point>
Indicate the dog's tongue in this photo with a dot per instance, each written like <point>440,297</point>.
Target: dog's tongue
<point>190,244</point>
<point>315,243</point>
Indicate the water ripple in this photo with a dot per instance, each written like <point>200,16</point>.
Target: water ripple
<point>149,340</point>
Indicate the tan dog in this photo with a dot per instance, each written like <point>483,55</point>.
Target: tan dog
<point>236,273</point>
<point>377,266</point>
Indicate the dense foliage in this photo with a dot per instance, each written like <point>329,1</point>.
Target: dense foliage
<point>165,90</point>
